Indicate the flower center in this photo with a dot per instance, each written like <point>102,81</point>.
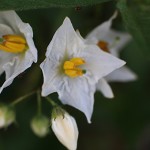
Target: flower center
<point>71,67</point>
<point>13,43</point>
<point>103,45</point>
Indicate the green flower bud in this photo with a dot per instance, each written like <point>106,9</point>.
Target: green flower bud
<point>40,125</point>
<point>7,115</point>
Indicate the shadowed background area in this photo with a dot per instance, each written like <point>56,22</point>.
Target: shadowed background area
<point>122,123</point>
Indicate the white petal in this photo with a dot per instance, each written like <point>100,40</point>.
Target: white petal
<point>10,18</point>
<point>123,74</point>
<point>65,129</point>
<point>26,29</point>
<point>98,62</point>
<point>101,30</point>
<point>79,35</point>
<point>4,58</point>
<point>18,65</point>
<point>115,45</point>
<point>51,76</point>
<point>79,94</point>
<point>105,88</point>
<point>4,30</point>
<point>65,42</point>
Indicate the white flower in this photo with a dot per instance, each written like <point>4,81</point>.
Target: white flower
<point>111,41</point>
<point>7,115</point>
<point>66,130</point>
<point>17,50</point>
<point>72,68</point>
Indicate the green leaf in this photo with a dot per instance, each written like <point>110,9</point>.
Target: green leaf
<point>35,4</point>
<point>136,16</point>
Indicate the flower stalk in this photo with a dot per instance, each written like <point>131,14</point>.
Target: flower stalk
<point>39,103</point>
<point>20,99</point>
<point>51,101</point>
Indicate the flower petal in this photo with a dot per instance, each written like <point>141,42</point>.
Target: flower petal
<point>4,58</point>
<point>117,40</point>
<point>105,88</point>
<point>101,30</point>
<point>10,18</point>
<point>64,42</point>
<point>5,30</point>
<point>99,63</point>
<point>26,29</point>
<point>51,76</point>
<point>123,74</point>
<point>79,94</point>
<point>13,68</point>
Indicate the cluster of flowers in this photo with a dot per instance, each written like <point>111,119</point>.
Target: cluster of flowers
<point>74,67</point>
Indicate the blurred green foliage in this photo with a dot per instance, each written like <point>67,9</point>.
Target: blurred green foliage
<point>34,4</point>
<point>136,15</point>
<point>122,123</point>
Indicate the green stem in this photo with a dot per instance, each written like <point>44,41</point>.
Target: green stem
<point>51,101</point>
<point>39,102</point>
<point>22,98</point>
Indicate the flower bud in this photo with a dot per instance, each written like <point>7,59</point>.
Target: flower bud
<point>7,115</point>
<point>65,128</point>
<point>40,125</point>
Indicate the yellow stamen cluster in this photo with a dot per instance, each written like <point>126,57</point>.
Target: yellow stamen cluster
<point>70,67</point>
<point>103,45</point>
<point>13,44</point>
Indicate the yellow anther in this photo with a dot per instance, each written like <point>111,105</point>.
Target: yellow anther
<point>103,45</point>
<point>13,44</point>
<point>70,67</point>
<point>15,39</point>
<point>77,61</point>
<point>15,47</point>
<point>74,73</point>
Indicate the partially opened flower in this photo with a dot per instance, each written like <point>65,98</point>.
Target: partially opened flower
<point>17,50</point>
<point>72,68</point>
<point>65,128</point>
<point>111,41</point>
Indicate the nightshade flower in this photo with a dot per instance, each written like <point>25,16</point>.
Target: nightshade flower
<point>72,68</point>
<point>111,41</point>
<point>17,50</point>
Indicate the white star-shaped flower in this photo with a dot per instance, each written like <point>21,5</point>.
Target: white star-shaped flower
<point>111,41</point>
<point>17,50</point>
<point>72,68</point>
